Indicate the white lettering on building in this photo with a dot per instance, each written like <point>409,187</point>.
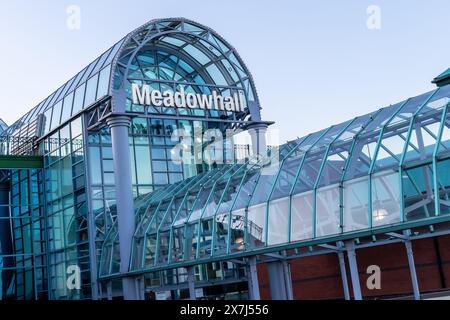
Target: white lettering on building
<point>144,95</point>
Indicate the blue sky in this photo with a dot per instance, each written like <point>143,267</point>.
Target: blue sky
<point>315,63</point>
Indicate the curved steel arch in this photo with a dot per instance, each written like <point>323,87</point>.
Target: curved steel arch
<point>151,32</point>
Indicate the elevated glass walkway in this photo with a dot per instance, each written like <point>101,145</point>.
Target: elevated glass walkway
<point>383,172</point>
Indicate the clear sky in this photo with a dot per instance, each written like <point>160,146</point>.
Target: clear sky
<point>315,63</point>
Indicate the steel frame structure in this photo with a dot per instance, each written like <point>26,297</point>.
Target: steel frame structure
<point>304,168</point>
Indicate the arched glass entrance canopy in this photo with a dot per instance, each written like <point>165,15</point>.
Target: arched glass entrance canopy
<point>166,54</point>
<point>378,173</point>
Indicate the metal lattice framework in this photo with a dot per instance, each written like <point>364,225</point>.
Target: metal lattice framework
<point>383,172</point>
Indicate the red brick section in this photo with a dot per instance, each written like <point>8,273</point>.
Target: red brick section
<point>319,277</point>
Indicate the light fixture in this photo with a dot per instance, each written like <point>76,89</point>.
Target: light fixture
<point>379,214</point>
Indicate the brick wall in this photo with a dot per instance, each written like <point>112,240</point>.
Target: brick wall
<point>319,277</point>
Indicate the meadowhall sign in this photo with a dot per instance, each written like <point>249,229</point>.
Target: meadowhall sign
<point>144,95</point>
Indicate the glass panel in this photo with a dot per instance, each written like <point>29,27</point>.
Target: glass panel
<point>237,230</point>
<point>191,241</point>
<point>177,244</point>
<point>95,165</point>
<point>150,250</point>
<point>67,107</point>
<point>79,99</point>
<point>103,82</point>
<point>222,222</point>
<point>356,204</point>
<point>418,193</point>
<point>278,221</point>
<point>144,170</point>
<point>328,211</point>
<point>256,225</point>
<point>163,249</point>
<point>302,216</point>
<point>216,75</point>
<point>443,174</point>
<point>47,120</point>
<point>56,115</point>
<point>385,198</point>
<point>91,91</point>
<point>205,238</point>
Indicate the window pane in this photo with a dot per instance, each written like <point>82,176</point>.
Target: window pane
<point>356,204</point>
<point>302,217</point>
<point>103,82</point>
<point>385,198</point>
<point>94,165</point>
<point>47,119</point>
<point>56,115</point>
<point>160,178</point>
<point>328,211</point>
<point>278,221</point>
<point>144,171</point>
<point>78,100</point>
<point>256,225</point>
<point>67,107</point>
<point>91,91</point>
<point>159,165</point>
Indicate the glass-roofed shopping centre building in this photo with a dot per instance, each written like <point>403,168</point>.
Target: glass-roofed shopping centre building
<point>128,182</point>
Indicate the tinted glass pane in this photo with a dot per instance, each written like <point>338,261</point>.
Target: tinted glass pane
<point>91,91</point>
<point>103,82</point>
<point>67,107</point>
<point>78,100</point>
<point>56,115</point>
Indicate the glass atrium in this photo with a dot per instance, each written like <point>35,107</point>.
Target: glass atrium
<point>88,179</point>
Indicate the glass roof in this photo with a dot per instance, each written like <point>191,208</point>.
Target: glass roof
<point>341,179</point>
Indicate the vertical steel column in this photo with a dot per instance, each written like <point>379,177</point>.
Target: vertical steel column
<point>279,280</point>
<point>412,268</point>
<point>119,125</point>
<point>288,279</point>
<point>258,135</point>
<point>351,255</point>
<point>343,273</point>
<point>140,287</point>
<point>252,275</point>
<point>90,217</point>
<point>191,283</point>
<point>109,293</point>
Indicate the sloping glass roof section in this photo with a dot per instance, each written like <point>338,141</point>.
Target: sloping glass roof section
<point>88,86</point>
<point>380,172</point>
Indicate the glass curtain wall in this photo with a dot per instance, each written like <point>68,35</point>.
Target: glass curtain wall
<point>66,211</point>
<point>29,267</point>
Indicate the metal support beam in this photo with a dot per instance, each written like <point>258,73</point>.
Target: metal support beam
<point>109,293</point>
<point>119,125</point>
<point>258,137</point>
<point>191,283</point>
<point>288,280</point>
<point>351,255</point>
<point>343,275</point>
<point>280,282</point>
<point>252,275</point>
<point>140,288</point>
<point>412,269</point>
